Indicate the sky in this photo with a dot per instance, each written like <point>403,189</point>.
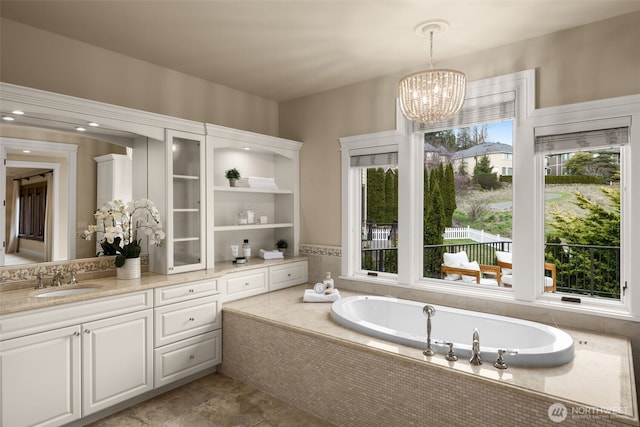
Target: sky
<point>501,132</point>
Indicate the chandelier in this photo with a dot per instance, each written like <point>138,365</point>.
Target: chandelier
<point>435,94</point>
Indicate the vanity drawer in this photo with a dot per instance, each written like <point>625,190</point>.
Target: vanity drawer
<point>184,358</point>
<point>285,275</point>
<point>182,320</point>
<point>246,283</point>
<point>184,292</point>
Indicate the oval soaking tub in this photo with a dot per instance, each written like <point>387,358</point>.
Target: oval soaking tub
<point>402,321</point>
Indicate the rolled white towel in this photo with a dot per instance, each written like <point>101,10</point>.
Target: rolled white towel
<point>311,296</point>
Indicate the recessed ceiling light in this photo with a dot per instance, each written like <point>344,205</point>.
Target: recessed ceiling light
<point>26,151</point>
<point>8,118</point>
<point>80,129</point>
<point>93,124</point>
<point>246,148</point>
<point>18,112</point>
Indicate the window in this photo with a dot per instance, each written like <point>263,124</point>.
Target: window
<point>33,202</point>
<point>378,180</point>
<point>467,207</point>
<point>539,155</point>
<point>583,211</point>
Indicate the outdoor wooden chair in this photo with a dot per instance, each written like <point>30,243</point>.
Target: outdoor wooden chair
<point>478,275</point>
<point>504,262</point>
<point>457,267</point>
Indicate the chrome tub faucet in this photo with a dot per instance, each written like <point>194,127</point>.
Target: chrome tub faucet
<point>429,311</point>
<point>475,349</point>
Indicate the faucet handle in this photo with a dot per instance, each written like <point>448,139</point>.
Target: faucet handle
<point>450,356</point>
<point>500,364</point>
<point>40,284</point>
<point>74,279</point>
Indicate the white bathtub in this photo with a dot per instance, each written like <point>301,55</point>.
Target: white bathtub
<point>403,321</point>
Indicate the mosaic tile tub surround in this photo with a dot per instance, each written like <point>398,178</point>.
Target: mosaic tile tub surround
<point>295,352</point>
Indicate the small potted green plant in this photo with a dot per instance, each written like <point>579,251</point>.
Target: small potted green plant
<point>282,245</point>
<point>232,175</point>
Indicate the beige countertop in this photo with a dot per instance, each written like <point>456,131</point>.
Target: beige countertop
<point>22,299</point>
<point>600,375</point>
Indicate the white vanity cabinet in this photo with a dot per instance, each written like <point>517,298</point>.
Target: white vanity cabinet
<point>40,377</point>
<point>177,185</point>
<point>61,363</point>
<point>117,361</point>
<point>188,330</point>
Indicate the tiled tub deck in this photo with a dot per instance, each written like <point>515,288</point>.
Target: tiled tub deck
<point>294,351</point>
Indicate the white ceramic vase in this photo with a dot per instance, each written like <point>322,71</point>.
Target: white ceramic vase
<point>130,269</point>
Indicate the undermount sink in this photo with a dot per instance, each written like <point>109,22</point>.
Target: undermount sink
<point>64,292</point>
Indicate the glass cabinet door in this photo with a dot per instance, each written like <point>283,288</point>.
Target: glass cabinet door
<point>186,192</point>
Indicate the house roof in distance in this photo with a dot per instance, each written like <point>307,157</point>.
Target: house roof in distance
<point>482,149</point>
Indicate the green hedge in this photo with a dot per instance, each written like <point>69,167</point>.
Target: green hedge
<point>573,179</point>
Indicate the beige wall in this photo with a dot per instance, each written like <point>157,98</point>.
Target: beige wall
<point>591,62</point>
<point>42,60</point>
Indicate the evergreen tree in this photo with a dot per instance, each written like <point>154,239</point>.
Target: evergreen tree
<point>391,196</point>
<point>444,138</point>
<point>463,139</point>
<point>433,230</point>
<point>594,164</point>
<point>482,174</point>
<point>449,195</point>
<point>375,195</point>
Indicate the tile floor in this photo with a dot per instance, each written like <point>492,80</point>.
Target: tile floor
<point>214,400</point>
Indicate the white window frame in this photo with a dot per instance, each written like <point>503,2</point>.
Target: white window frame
<point>528,218</point>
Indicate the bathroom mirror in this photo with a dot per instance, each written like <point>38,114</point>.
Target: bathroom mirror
<point>48,151</point>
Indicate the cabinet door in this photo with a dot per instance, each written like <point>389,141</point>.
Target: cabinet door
<point>117,358</point>
<point>186,201</point>
<point>40,377</point>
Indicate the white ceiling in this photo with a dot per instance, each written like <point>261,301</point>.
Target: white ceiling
<point>285,49</point>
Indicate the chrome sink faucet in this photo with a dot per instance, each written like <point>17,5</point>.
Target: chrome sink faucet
<point>58,277</point>
<point>475,349</point>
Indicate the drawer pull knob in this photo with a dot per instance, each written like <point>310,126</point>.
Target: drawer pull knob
<point>289,275</point>
<point>76,333</point>
<point>191,319</point>
<point>192,357</point>
<point>87,331</point>
<point>246,284</point>
<point>191,290</point>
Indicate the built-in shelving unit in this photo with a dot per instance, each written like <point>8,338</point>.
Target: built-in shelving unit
<point>254,155</point>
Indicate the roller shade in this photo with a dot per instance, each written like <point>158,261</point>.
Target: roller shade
<point>378,159</point>
<point>484,109</point>
<point>592,139</point>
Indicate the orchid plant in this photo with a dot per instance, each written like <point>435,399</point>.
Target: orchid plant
<point>120,223</point>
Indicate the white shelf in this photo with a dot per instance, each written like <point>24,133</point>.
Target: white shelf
<point>186,239</point>
<point>252,227</point>
<point>186,177</point>
<point>251,190</point>
<point>187,210</point>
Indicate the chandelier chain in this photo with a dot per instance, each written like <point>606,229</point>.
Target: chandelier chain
<point>431,49</point>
